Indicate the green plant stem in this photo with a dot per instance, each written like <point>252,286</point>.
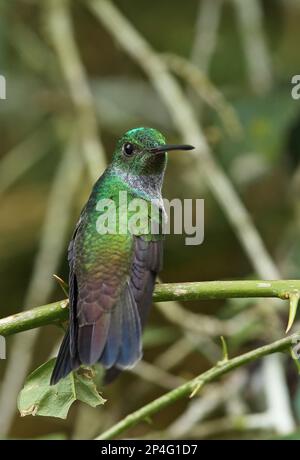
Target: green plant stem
<point>31,319</point>
<point>207,290</point>
<point>189,388</point>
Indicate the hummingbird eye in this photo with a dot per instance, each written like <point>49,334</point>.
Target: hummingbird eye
<point>128,149</point>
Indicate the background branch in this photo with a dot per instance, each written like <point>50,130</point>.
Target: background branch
<point>60,32</point>
<point>189,388</point>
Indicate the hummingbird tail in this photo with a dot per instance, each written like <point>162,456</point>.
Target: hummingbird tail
<point>123,347</point>
<point>92,338</point>
<point>116,336</point>
<point>64,363</point>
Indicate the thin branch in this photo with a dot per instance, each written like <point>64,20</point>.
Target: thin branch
<point>224,289</point>
<point>22,157</point>
<point>206,290</point>
<point>212,397</point>
<point>191,341</point>
<point>176,353</point>
<point>60,31</point>
<point>208,19</point>
<point>275,393</point>
<point>207,92</point>
<point>190,387</point>
<point>157,376</point>
<point>242,423</point>
<point>204,42</point>
<point>250,19</point>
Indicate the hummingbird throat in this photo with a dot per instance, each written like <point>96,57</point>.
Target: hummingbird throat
<point>130,215</point>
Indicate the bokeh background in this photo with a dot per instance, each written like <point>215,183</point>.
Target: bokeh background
<point>77,79</point>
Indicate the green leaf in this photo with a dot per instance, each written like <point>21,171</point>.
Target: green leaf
<point>38,397</point>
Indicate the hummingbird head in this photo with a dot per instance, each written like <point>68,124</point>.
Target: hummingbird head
<point>143,151</point>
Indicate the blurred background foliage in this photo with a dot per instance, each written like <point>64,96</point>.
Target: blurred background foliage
<point>44,181</point>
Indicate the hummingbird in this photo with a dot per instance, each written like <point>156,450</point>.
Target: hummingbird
<point>112,275</point>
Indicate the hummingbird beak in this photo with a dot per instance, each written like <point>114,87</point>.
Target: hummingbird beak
<point>168,147</point>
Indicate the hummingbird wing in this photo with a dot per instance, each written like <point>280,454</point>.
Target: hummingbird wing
<point>146,263</point>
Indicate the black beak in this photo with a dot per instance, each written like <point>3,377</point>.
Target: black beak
<point>167,148</point>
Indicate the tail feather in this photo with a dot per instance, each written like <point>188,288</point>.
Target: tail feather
<point>124,343</point>
<point>64,363</point>
<point>131,349</point>
<point>114,339</point>
<point>92,339</point>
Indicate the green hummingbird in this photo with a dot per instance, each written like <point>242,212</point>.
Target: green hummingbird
<point>112,275</point>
